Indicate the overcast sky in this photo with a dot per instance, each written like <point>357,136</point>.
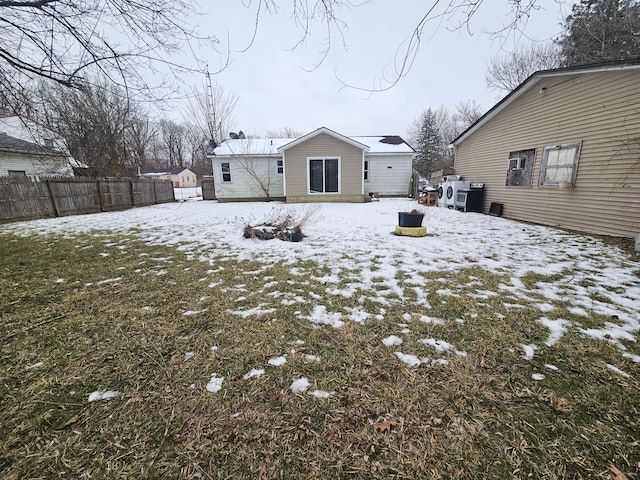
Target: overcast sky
<point>275,90</point>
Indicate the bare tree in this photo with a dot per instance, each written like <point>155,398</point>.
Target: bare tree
<point>94,122</point>
<point>211,111</point>
<point>508,71</point>
<point>284,132</point>
<point>173,144</point>
<point>66,42</point>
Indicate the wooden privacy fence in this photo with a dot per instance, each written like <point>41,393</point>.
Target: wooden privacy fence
<point>26,199</point>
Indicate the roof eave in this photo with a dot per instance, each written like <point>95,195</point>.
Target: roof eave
<point>531,81</point>
<point>329,132</point>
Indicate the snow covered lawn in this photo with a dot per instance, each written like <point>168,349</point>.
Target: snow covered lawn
<point>165,341</point>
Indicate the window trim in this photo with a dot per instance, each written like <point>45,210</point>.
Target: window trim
<point>366,171</point>
<point>545,156</point>
<point>280,166</point>
<point>225,168</point>
<point>324,159</point>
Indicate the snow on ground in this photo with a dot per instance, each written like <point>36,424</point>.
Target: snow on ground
<point>354,243</point>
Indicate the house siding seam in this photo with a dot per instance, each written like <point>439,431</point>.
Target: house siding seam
<point>326,146</point>
<point>599,109</point>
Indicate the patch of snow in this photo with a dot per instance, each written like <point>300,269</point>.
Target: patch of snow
<point>551,367</point>
<point>634,358</point>
<point>537,376</point>
<point>193,312</point>
<point>188,356</point>
<point>617,370</point>
<point>311,358</point>
<point>410,360</point>
<point>300,385</point>
<point>257,311</point>
<point>215,384</point>
<point>528,351</point>
<point>254,373</point>
<point>35,365</point>
<point>321,394</point>
<point>320,316</point>
<point>277,361</point>
<point>102,395</point>
<point>392,341</point>
<point>557,328</point>
<point>431,320</point>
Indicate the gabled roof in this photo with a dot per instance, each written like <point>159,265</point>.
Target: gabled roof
<point>12,144</point>
<point>165,171</point>
<point>272,147</point>
<point>326,131</point>
<point>535,78</point>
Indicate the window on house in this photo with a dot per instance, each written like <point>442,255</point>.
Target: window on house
<point>16,173</point>
<point>520,168</point>
<point>280,164</point>
<point>559,163</point>
<point>48,142</point>
<point>324,175</point>
<point>366,170</point>
<point>226,172</point>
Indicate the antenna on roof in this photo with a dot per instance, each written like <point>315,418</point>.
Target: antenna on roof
<point>211,112</point>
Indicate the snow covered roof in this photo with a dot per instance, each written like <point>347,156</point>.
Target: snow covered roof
<point>173,171</point>
<point>385,144</point>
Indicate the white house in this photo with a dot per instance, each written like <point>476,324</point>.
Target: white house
<point>181,177</point>
<point>321,166</point>
<point>30,149</point>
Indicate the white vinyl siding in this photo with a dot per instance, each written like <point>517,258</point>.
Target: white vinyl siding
<point>244,186</point>
<point>389,175</point>
<point>34,165</point>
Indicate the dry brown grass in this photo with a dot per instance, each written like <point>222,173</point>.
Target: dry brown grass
<point>479,416</point>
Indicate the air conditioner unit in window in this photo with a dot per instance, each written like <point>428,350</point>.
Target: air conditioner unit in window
<point>517,163</point>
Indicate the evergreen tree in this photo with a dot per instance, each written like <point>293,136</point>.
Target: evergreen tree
<point>600,31</point>
<point>429,154</point>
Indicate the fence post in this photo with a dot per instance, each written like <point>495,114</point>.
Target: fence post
<point>53,199</point>
<point>155,193</point>
<point>133,202</point>
<point>99,182</point>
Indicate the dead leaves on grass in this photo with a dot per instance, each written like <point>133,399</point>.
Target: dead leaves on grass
<point>386,425</point>
<point>616,474</point>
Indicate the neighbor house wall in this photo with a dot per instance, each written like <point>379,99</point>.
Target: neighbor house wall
<point>327,146</point>
<point>389,175</point>
<point>599,109</point>
<point>243,185</point>
<point>34,165</point>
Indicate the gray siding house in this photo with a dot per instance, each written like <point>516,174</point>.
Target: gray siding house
<point>322,166</point>
<point>562,149</point>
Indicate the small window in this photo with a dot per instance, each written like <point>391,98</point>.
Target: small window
<point>48,142</point>
<point>280,165</point>
<point>559,163</point>
<point>520,168</point>
<point>17,173</point>
<point>366,170</point>
<point>226,172</point>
